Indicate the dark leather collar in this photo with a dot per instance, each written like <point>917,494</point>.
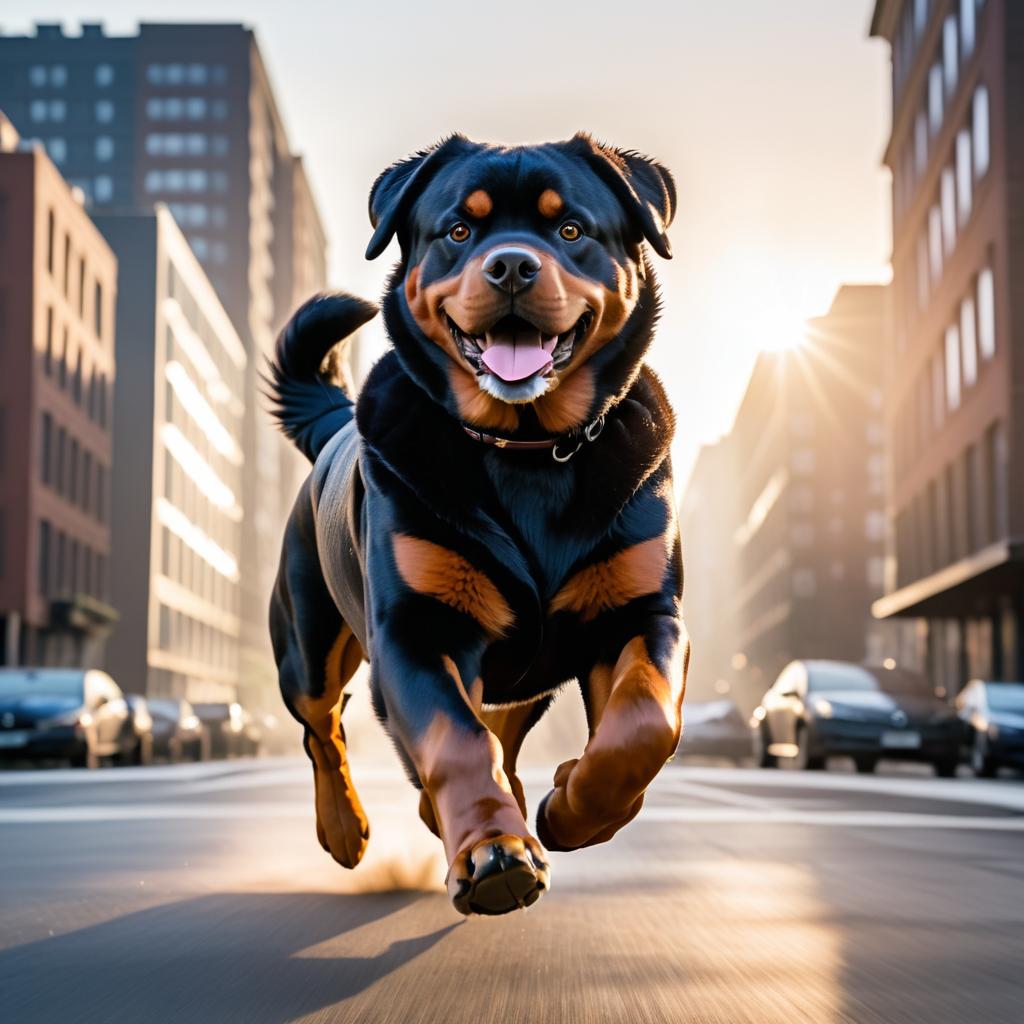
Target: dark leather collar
<point>562,448</point>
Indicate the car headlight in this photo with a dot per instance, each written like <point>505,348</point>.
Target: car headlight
<point>822,707</point>
<point>81,719</point>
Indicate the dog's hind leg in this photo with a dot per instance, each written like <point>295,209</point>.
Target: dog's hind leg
<point>317,654</point>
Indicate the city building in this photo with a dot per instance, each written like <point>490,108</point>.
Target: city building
<point>792,506</point>
<point>178,469</point>
<point>707,524</point>
<point>955,363</point>
<point>58,289</point>
<point>185,114</point>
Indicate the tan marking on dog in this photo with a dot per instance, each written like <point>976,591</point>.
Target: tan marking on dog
<point>445,575</point>
<point>508,724</point>
<point>478,204</point>
<point>632,573</point>
<point>635,734</point>
<point>569,405</point>
<point>550,203</point>
<point>342,825</point>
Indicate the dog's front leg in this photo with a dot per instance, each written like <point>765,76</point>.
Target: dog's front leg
<point>635,711</point>
<point>495,865</point>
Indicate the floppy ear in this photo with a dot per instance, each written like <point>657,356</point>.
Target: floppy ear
<point>397,187</point>
<point>643,186</point>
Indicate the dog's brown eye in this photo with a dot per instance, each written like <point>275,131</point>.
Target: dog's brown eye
<point>570,232</point>
<point>459,233</point>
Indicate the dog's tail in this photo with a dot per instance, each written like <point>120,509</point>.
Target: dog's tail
<point>309,408</point>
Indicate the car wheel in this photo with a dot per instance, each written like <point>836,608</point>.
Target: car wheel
<point>804,760</point>
<point>865,765</point>
<point>981,763</point>
<point>760,743</point>
<point>946,769</point>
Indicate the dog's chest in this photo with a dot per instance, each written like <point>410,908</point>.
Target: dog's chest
<point>534,504</point>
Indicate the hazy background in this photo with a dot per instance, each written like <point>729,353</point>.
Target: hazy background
<point>772,117</point>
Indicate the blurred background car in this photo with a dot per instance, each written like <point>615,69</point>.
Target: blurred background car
<point>178,735</point>
<point>140,730</point>
<point>715,729</point>
<point>993,720</point>
<point>818,709</point>
<point>75,715</point>
<point>233,731</point>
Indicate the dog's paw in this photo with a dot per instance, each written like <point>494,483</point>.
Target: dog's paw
<point>341,824</point>
<point>561,830</point>
<point>498,875</point>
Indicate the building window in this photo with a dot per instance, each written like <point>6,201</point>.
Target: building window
<point>97,309</point>
<point>43,581</point>
<point>952,367</point>
<point>921,11</point>
<point>104,74</point>
<point>920,143</point>
<point>938,391</point>
<point>47,452</point>
<point>195,108</point>
<point>977,496</point>
<point>103,188</point>
<point>219,145</point>
<point>48,357</point>
<point>37,75</point>
<point>104,147</point>
<point>923,272</point>
<point>57,149</point>
<point>61,461</point>
<point>37,110</point>
<point>58,76</point>
<point>935,243</point>
<point>874,525</point>
<point>104,111</point>
<point>995,440</point>
<point>73,474</point>
<point>968,24</point>
<point>196,74</point>
<point>58,110</point>
<point>935,99</point>
<point>51,231</point>
<point>876,573</point>
<point>947,199</point>
<point>986,314</point>
<point>219,109</point>
<point>963,175</point>
<point>968,342</point>
<point>980,125</point>
<point>950,54</point>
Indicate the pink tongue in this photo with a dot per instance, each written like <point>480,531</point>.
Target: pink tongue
<point>516,356</point>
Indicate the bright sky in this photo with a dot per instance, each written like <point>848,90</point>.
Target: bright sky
<point>772,115</point>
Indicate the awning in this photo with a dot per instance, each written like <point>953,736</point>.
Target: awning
<point>82,612</point>
<point>969,587</point>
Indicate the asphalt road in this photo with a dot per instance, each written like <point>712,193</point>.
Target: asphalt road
<point>198,893</point>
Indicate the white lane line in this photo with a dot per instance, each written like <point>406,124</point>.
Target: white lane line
<point>151,773</point>
<point>651,816</point>
<point>972,791</point>
<point>827,819</point>
<point>152,812</point>
<point>719,795</point>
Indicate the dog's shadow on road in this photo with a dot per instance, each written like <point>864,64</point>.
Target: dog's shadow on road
<point>224,957</point>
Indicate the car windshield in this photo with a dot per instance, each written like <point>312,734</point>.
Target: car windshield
<point>164,708</point>
<point>840,679</point>
<point>214,712</point>
<point>1006,697</point>
<point>42,684</point>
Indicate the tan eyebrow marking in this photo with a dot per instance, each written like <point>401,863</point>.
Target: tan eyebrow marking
<point>550,203</point>
<point>478,204</point>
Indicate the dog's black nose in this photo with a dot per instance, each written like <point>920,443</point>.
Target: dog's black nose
<point>511,268</point>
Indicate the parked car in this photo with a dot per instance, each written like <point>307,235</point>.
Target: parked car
<point>226,726</point>
<point>76,715</point>
<point>178,735</point>
<point>250,739</point>
<point>140,725</point>
<point>993,721</point>
<point>817,709</point>
<point>715,728</point>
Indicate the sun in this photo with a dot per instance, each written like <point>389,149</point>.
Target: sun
<point>780,330</point>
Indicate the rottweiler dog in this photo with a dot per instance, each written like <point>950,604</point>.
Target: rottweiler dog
<point>494,516</point>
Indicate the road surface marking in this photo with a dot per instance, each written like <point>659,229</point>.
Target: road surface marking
<point>651,815</point>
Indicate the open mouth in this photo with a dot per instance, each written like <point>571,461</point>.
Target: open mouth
<point>515,350</point>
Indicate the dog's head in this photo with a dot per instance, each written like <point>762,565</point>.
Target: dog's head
<point>522,281</point>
